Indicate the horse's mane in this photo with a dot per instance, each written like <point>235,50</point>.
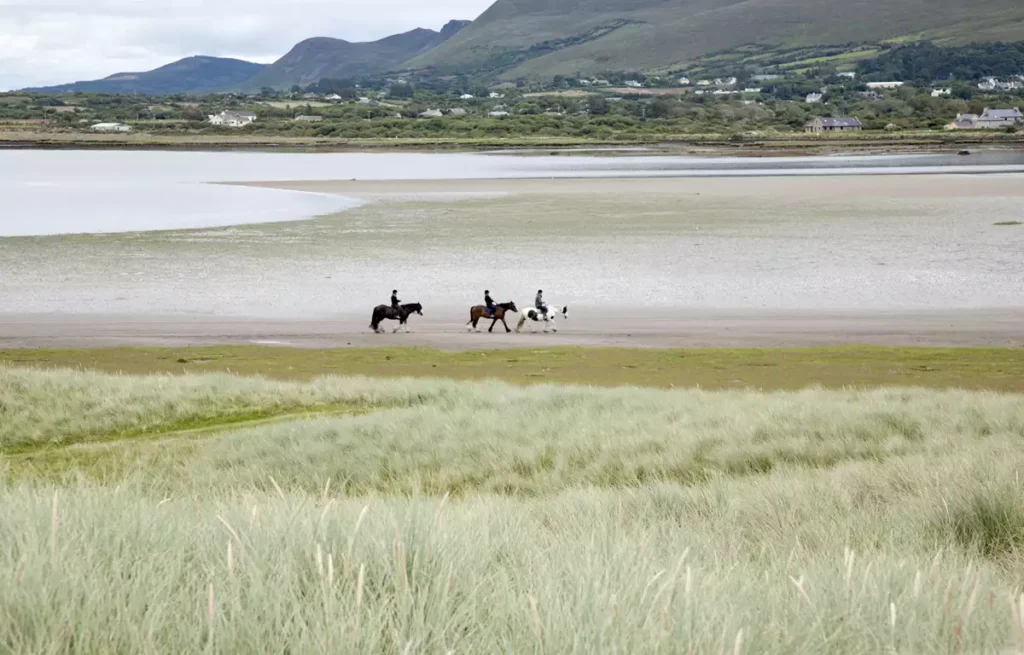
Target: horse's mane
<point>411,305</point>
<point>505,305</point>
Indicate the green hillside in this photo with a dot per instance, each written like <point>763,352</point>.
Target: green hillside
<point>315,59</point>
<point>541,38</point>
<point>189,75</point>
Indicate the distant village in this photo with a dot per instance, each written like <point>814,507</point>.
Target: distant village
<point>603,106</point>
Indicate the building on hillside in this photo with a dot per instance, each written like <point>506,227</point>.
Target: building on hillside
<point>334,97</point>
<point>848,75</point>
<point>884,85</point>
<point>990,119</point>
<point>753,89</point>
<point>826,125</point>
<point>813,98</point>
<point>684,81</point>
<point>466,96</point>
<point>765,77</point>
<point>964,122</point>
<point>494,95</point>
<point>703,82</point>
<point>988,84</point>
<point>111,127</point>
<point>308,119</point>
<point>431,113</point>
<point>232,119</point>
<point>941,93</point>
<point>498,114</point>
<point>458,111</point>
<point>725,81</point>
<point>633,84</point>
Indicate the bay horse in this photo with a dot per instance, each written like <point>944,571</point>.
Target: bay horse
<point>480,311</point>
<point>402,314</point>
<point>537,316</point>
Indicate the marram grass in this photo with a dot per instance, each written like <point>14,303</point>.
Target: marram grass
<point>482,517</point>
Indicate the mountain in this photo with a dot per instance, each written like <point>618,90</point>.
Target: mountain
<point>189,75</point>
<point>541,38</point>
<point>322,57</point>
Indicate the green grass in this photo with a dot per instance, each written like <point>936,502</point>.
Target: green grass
<point>996,369</point>
<point>487,517</point>
<point>1007,223</point>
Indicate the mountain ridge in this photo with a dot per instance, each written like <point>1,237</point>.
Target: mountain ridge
<point>318,58</point>
<point>196,74</point>
<point>516,39</point>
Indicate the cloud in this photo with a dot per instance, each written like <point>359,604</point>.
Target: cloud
<point>45,42</point>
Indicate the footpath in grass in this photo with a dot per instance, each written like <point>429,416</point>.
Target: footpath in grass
<point>994,369</point>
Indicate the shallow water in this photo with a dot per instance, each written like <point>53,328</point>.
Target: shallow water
<point>61,192</point>
<point>748,248</point>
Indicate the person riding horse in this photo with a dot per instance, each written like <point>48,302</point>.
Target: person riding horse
<point>395,302</point>
<point>489,302</point>
<point>539,303</point>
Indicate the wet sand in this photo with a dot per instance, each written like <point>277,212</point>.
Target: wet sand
<point>934,185</point>
<point>446,330</point>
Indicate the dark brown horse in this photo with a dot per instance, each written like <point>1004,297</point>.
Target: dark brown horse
<point>480,311</point>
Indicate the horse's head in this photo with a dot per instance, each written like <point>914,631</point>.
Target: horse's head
<point>512,307</point>
<point>414,308</point>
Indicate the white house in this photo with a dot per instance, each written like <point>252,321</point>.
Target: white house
<point>633,84</point>
<point>940,93</point>
<point>111,127</point>
<point>848,75</point>
<point>308,119</point>
<point>684,81</point>
<point>466,96</point>
<point>753,89</point>
<point>498,114</point>
<point>232,119</point>
<point>813,98</point>
<point>703,82</point>
<point>334,97</point>
<point>495,94</point>
<point>457,111</point>
<point>884,85</point>
<point>988,84</point>
<point>725,81</point>
<point>431,113</point>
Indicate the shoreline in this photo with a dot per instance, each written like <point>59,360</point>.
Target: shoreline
<point>696,146</point>
<point>445,330</point>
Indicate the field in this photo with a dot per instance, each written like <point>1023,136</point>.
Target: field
<point>223,513</point>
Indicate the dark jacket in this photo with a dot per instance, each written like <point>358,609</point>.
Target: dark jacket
<point>395,302</point>
<point>488,300</point>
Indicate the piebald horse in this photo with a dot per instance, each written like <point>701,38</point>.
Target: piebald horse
<point>537,316</point>
<point>480,311</point>
<point>402,314</point>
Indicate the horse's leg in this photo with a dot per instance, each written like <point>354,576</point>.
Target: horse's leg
<point>491,329</point>
<point>505,324</point>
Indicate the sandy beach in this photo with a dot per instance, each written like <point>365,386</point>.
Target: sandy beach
<point>447,331</point>
<point>743,261</point>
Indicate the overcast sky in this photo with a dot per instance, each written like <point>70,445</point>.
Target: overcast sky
<point>44,42</point>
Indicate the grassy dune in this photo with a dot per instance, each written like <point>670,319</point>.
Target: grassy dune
<point>439,516</point>
<point>993,369</point>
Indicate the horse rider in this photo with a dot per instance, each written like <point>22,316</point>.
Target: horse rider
<point>489,302</point>
<point>539,303</point>
<point>395,302</point>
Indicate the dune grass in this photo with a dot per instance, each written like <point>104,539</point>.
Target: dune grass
<point>486,517</point>
<point>993,369</point>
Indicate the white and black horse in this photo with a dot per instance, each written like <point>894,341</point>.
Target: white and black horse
<point>402,314</point>
<point>537,316</point>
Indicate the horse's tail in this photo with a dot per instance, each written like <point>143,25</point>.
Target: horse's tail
<point>374,320</point>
